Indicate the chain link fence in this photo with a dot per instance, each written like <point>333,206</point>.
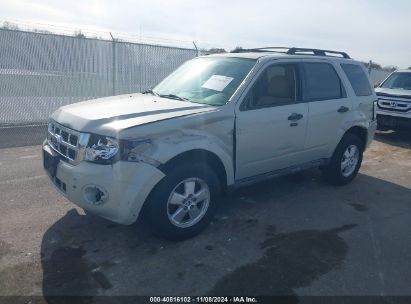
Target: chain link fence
<point>378,76</point>
<point>42,72</point>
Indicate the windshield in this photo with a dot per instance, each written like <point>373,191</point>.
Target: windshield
<point>211,80</point>
<point>398,81</point>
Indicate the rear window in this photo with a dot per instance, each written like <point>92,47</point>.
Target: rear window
<point>358,79</point>
<point>321,82</point>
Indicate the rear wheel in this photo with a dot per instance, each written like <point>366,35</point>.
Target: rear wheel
<point>346,160</point>
<point>184,201</point>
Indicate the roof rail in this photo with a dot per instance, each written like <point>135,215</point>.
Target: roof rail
<point>295,51</point>
<point>317,52</point>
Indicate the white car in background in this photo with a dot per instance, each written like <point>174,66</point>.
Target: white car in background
<point>394,101</point>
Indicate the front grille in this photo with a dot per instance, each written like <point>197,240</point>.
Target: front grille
<point>394,105</point>
<point>67,142</point>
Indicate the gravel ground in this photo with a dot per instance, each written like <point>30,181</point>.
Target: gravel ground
<point>294,235</point>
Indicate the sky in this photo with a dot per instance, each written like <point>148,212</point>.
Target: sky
<point>366,29</point>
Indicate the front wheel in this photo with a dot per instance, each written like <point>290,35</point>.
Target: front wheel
<point>346,160</point>
<point>184,201</point>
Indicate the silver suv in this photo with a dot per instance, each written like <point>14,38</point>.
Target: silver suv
<point>394,101</point>
<point>218,122</point>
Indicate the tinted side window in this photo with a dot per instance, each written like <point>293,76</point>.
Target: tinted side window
<point>358,79</point>
<point>321,82</point>
<point>277,85</point>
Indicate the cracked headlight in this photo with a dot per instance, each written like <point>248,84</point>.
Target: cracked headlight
<point>101,149</point>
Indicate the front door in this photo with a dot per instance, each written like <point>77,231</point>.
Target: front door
<point>271,122</point>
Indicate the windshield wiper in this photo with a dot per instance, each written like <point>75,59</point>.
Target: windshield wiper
<point>151,92</point>
<point>173,96</point>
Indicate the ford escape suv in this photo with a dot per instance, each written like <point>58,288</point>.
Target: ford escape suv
<point>218,122</point>
<point>394,101</point>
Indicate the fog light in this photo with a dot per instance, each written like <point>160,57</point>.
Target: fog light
<point>95,195</point>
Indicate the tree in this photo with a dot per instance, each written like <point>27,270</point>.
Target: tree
<point>375,66</point>
<point>216,51</point>
<point>372,65</point>
<point>390,68</point>
<point>10,26</point>
<point>237,49</point>
<point>79,34</point>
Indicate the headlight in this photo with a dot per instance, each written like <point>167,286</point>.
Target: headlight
<point>101,149</point>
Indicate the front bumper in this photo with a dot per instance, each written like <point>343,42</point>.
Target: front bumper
<point>124,187</point>
<point>393,121</point>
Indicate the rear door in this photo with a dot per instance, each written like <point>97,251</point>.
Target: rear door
<point>328,106</point>
<point>271,122</point>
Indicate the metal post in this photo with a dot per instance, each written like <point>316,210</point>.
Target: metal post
<point>369,67</point>
<point>195,45</point>
<point>114,70</point>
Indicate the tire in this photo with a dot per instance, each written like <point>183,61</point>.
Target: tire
<point>161,211</point>
<point>350,151</point>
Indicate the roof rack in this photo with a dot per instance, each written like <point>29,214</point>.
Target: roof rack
<point>295,51</point>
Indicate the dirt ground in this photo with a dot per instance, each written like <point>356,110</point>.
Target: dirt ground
<point>294,235</point>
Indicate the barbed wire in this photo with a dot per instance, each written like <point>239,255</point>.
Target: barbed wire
<point>104,34</point>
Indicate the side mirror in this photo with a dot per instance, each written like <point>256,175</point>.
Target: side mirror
<point>377,85</point>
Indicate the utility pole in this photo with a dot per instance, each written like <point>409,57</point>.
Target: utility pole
<point>113,68</point>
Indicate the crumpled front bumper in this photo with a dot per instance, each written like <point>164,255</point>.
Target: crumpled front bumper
<point>123,186</point>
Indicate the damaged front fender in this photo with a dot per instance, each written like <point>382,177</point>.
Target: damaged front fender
<point>211,132</point>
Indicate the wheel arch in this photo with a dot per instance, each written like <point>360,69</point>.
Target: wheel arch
<point>359,131</point>
<point>202,155</point>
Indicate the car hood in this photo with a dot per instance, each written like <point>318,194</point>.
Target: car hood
<point>393,93</point>
<point>110,115</point>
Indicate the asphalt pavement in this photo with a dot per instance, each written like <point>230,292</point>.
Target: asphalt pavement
<point>294,235</point>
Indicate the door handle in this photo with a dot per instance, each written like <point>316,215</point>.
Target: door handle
<point>295,116</point>
<point>343,109</point>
